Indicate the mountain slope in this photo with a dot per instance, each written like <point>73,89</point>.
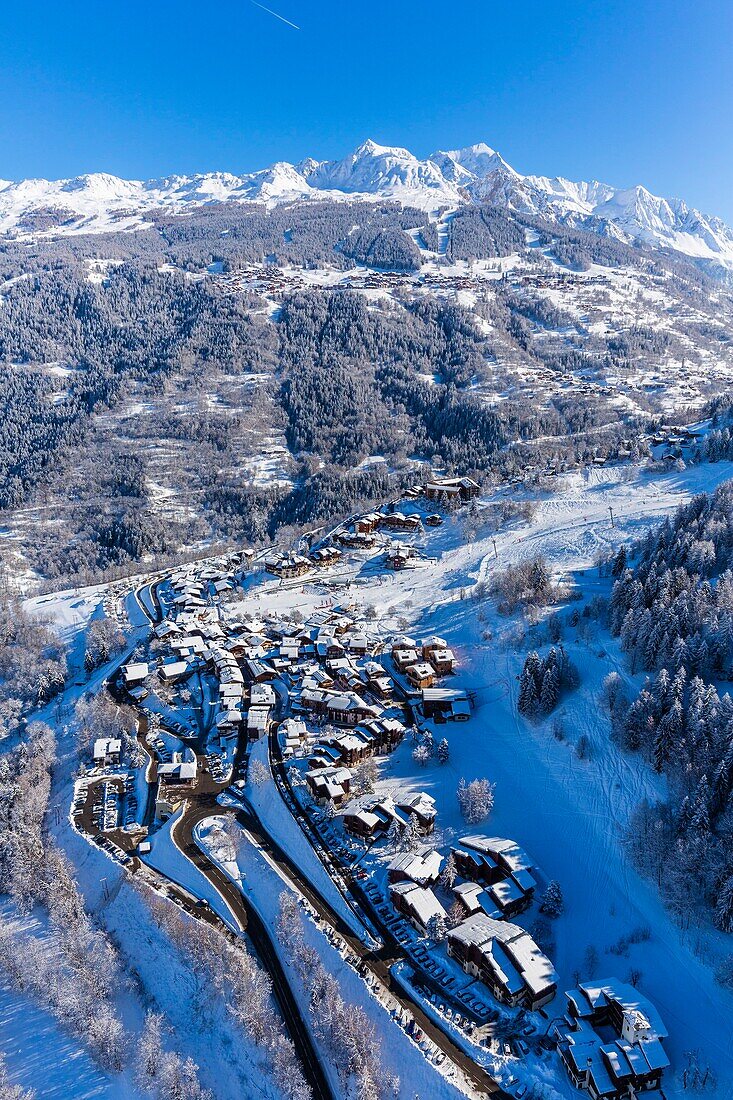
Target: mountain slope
<point>476,174</point>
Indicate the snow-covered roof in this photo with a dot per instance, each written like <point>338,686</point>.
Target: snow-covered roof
<point>421,901</point>
<point>421,803</point>
<point>107,746</point>
<point>293,727</point>
<point>421,671</point>
<point>517,949</point>
<point>600,992</point>
<point>504,851</point>
<point>173,668</point>
<point>420,868</point>
<point>138,670</point>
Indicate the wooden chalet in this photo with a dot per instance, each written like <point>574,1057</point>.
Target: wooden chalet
<point>506,959</point>
<point>611,1041</point>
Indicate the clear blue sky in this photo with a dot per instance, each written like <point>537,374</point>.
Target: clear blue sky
<point>625,91</point>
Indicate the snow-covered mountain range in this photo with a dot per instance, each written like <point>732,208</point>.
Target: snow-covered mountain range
<point>477,174</point>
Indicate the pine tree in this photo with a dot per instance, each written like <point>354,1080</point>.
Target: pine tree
<point>723,779</point>
<point>395,834</point>
<point>552,903</point>
<point>437,928</point>
<point>724,906</point>
<point>528,702</point>
<point>680,654</point>
<point>550,690</point>
<point>700,816</point>
<point>421,755</point>
<point>443,751</point>
<point>619,563</point>
<point>668,735</point>
<point>662,691</point>
<point>412,837</point>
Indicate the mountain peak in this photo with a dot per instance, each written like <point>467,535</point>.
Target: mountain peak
<point>473,174</point>
<point>479,159</point>
<point>370,148</point>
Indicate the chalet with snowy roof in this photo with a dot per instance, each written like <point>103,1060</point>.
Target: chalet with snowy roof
<point>166,628</point>
<point>501,866</point>
<point>292,735</point>
<point>398,557</point>
<point>420,806</point>
<point>262,695</point>
<point>287,566</point>
<point>420,675</point>
<point>421,868</point>
<point>372,817</point>
<point>381,685</point>
<point>258,672</point>
<point>438,653</point>
<point>342,708</point>
<point>443,661</point>
<point>356,642</point>
<point>365,525</point>
<point>172,671</point>
<point>325,557</point>
<point>433,520</point>
<point>502,900</point>
<point>445,704</point>
<point>289,649</point>
<point>315,677</point>
<point>386,732</point>
<point>135,673</point>
<point>346,674</point>
<point>229,719</point>
<point>330,785</point>
<point>355,540</point>
<point>352,747</point>
<point>258,722</point>
<point>188,645</point>
<point>505,958</point>
<point>324,756</point>
<point>398,521</point>
<point>107,751</point>
<point>611,1040</point>
<point>329,649</point>
<point>403,658</point>
<point>459,489</point>
<point>417,903</point>
<point>180,770</point>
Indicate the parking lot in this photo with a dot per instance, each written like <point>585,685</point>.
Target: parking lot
<point>106,808</point>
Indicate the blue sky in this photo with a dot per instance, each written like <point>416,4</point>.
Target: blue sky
<point>625,91</point>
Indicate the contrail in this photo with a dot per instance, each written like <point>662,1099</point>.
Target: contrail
<point>271,12</point>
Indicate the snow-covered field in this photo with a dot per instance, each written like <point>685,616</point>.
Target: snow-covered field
<point>39,1054</point>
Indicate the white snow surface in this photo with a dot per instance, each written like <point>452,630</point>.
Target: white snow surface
<point>53,1063</point>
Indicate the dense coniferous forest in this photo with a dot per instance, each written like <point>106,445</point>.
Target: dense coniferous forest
<point>673,611</point>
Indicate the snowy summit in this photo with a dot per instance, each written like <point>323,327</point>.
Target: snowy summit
<point>445,179</point>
